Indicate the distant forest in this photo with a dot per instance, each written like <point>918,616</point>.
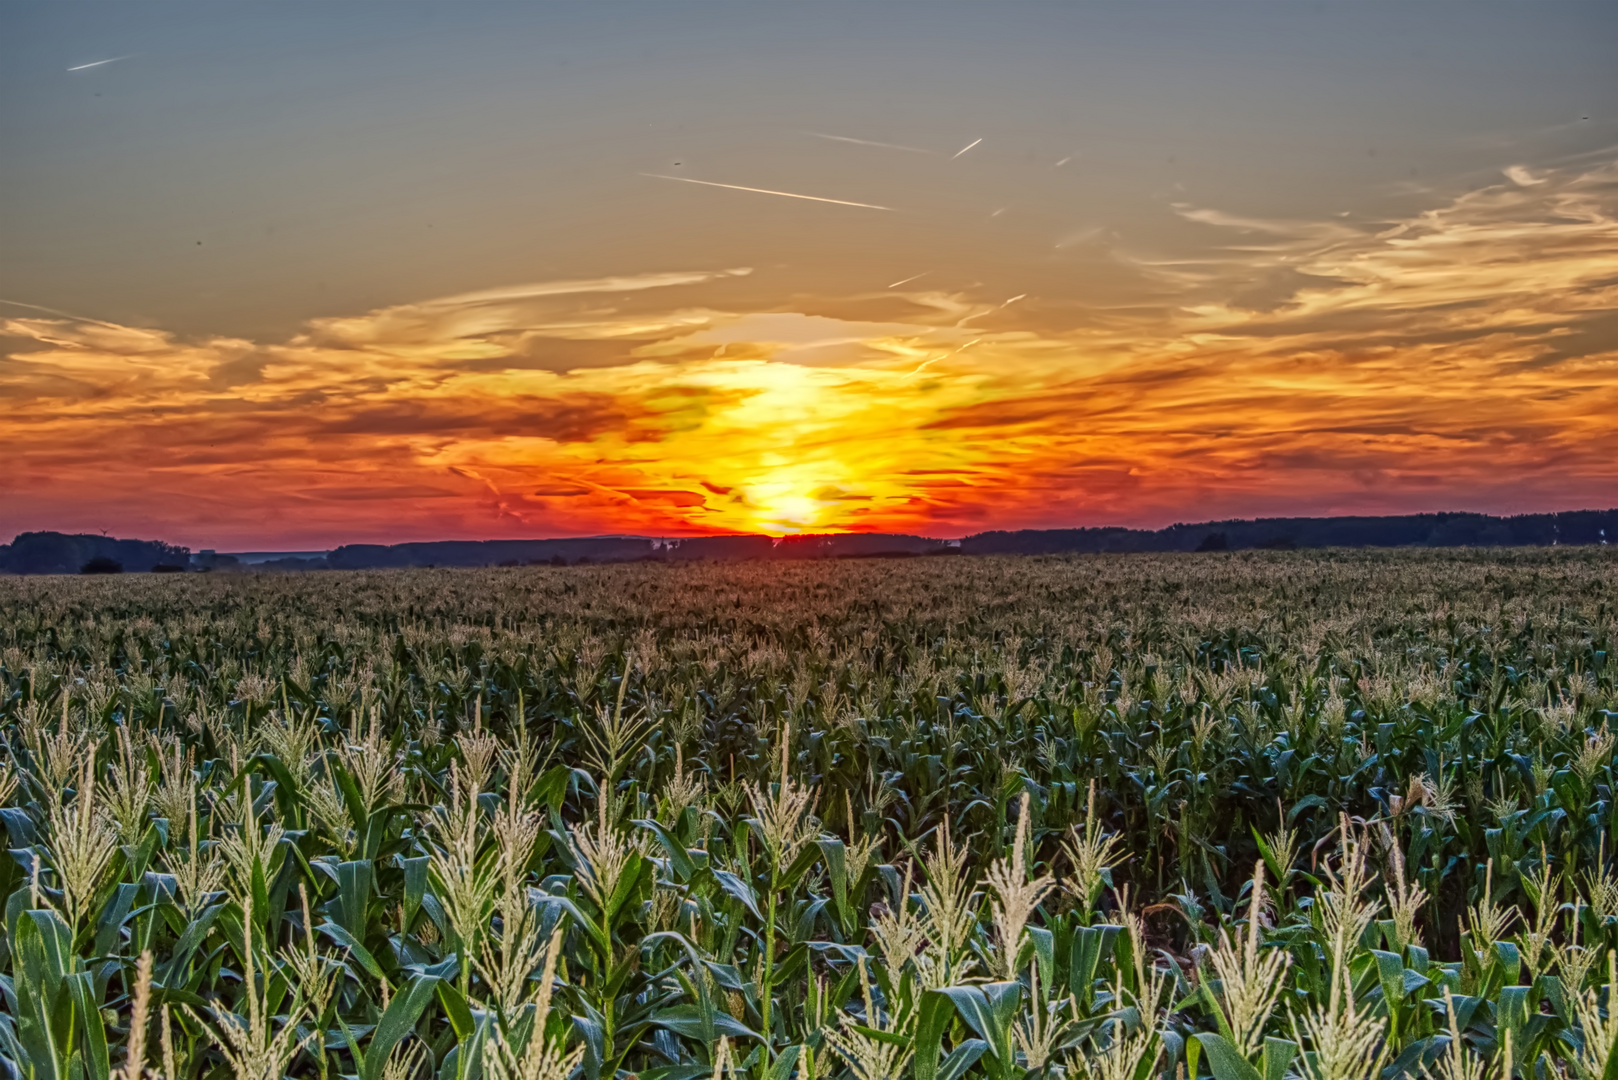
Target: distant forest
<point>61,553</point>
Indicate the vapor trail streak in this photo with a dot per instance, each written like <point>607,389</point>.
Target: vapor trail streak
<point>912,277</point>
<point>766,191</point>
<point>965,148</point>
<point>98,63</point>
<point>869,142</point>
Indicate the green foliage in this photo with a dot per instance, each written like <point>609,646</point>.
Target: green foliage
<point>1253,816</point>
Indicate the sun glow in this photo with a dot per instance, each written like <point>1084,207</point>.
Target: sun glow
<point>1397,375</point>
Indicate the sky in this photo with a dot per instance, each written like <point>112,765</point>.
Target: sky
<point>285,276</point>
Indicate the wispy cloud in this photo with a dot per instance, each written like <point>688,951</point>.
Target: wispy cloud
<point>1462,356</point>
<point>628,283</point>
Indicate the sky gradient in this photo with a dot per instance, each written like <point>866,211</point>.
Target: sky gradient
<point>288,276</point>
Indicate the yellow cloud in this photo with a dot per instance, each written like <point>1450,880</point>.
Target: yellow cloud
<point>1455,359</point>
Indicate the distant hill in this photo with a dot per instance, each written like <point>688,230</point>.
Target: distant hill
<point>59,553</point>
<point>1412,530</point>
<point>63,553</point>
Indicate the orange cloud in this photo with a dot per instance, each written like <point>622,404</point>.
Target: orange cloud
<point>1464,358</point>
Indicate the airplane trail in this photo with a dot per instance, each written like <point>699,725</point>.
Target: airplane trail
<point>911,278</point>
<point>869,142</point>
<point>965,148</point>
<point>98,63</point>
<point>767,191</point>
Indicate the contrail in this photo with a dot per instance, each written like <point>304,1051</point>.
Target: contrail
<point>868,142</point>
<point>98,63</point>
<point>767,191</point>
<point>965,148</point>
<point>64,314</point>
<point>911,278</point>
<point>925,364</point>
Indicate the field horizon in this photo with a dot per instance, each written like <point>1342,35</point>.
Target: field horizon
<point>53,552</point>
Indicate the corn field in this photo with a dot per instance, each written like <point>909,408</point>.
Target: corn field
<point>1331,816</point>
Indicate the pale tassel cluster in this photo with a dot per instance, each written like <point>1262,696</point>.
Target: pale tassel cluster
<point>1091,854</point>
<point>1348,1042</point>
<point>196,876</point>
<point>131,792</point>
<point>507,969</point>
<point>1599,1032</point>
<point>177,784</point>
<point>294,741</point>
<point>602,852</point>
<point>869,1058</point>
<point>784,819</point>
<point>1250,978</point>
<point>615,738</point>
<point>1487,922</point>
<point>250,844</point>
<point>1595,755</point>
<point>315,972</point>
<point>1535,943</point>
<point>408,1060</point>
<point>948,916</point>
<point>256,1049</point>
<point>82,841</point>
<point>898,931</point>
<point>372,764</point>
<point>1458,1063</point>
<point>1345,913</point>
<point>135,1051</point>
<point>1128,1050</point>
<point>1039,1030</point>
<point>1405,899</point>
<point>684,789</point>
<point>1015,896</point>
<point>541,1059</point>
<point>465,888</point>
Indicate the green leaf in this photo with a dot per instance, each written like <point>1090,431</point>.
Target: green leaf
<point>833,851</point>
<point>687,1020</point>
<point>1044,946</point>
<point>82,989</point>
<point>360,952</point>
<point>1091,945</point>
<point>892,1038</point>
<point>455,1009</point>
<point>1277,1057</point>
<point>962,1058</point>
<point>398,1020</point>
<point>353,895</point>
<point>626,885</point>
<point>933,1019</point>
<point>1223,1060</point>
<point>1390,970</point>
<point>990,1009</point>
<point>680,861</point>
<point>113,916</point>
<point>741,890</point>
<point>415,883</point>
<point>781,1067</point>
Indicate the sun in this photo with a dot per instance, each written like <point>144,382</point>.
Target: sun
<point>789,500</point>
